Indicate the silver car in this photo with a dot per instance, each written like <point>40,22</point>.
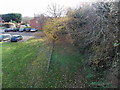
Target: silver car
<point>5,37</point>
<point>33,30</point>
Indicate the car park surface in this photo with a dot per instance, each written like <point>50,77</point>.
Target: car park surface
<point>25,35</point>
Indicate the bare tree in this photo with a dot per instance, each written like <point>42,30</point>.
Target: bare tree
<point>55,10</point>
<point>26,19</point>
<point>40,19</point>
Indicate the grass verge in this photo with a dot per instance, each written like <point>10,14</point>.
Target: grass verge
<point>25,65</point>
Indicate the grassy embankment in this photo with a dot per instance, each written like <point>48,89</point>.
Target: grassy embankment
<point>25,65</point>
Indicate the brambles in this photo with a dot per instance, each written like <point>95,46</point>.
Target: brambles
<point>94,28</point>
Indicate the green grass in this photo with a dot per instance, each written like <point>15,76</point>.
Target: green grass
<point>16,60</point>
<point>65,68</point>
<point>0,65</point>
<point>25,65</point>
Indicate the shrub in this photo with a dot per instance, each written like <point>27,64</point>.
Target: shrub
<point>55,26</point>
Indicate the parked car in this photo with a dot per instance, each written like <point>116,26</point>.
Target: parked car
<point>27,29</point>
<point>15,29</point>
<point>16,38</point>
<point>7,30</point>
<point>21,29</point>
<point>5,37</point>
<point>33,30</point>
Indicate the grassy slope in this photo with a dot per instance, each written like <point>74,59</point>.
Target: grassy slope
<point>25,65</point>
<point>65,68</point>
<point>0,65</point>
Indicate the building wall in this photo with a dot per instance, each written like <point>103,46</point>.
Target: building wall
<point>35,23</point>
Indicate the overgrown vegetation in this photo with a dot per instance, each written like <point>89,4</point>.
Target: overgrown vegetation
<point>94,30</point>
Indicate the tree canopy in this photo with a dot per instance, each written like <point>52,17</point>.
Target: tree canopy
<point>17,17</point>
